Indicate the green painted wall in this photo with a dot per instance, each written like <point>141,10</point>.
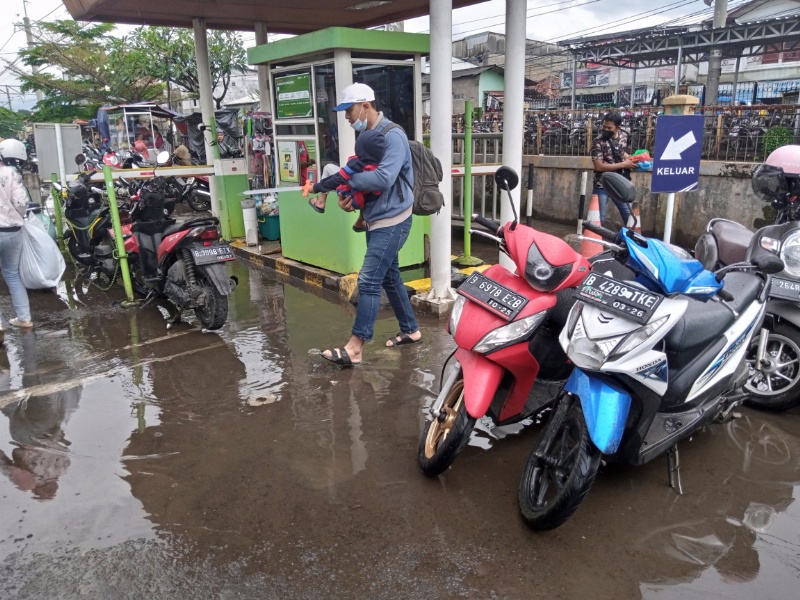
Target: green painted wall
<point>489,81</point>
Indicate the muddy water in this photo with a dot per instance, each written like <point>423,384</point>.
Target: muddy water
<point>141,463</point>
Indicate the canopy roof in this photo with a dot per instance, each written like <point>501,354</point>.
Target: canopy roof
<point>154,109</point>
<point>280,17</point>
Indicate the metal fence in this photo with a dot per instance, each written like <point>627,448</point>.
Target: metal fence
<point>731,134</point>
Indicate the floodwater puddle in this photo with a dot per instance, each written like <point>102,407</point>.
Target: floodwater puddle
<point>239,464</point>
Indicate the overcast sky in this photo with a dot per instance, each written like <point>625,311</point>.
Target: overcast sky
<point>547,20</point>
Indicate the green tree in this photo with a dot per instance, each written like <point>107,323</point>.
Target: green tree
<point>10,123</point>
<point>82,65</point>
<point>167,54</point>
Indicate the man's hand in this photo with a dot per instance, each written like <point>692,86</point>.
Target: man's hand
<point>308,187</point>
<point>346,203</point>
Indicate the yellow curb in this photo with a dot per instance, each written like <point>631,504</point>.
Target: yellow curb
<point>348,284</point>
<point>424,285</point>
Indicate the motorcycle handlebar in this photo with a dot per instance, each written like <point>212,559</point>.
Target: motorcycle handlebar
<point>604,233</point>
<point>492,226</point>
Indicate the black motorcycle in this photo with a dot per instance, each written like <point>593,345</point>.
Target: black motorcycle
<point>775,383</point>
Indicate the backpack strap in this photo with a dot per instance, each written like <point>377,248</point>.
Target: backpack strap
<point>384,130</point>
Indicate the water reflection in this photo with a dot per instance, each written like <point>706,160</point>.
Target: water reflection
<point>36,426</point>
<point>735,521</point>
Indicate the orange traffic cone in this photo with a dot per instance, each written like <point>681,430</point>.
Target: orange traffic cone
<point>635,220</point>
<point>589,249</point>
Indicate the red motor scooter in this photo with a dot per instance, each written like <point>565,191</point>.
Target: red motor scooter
<point>182,262</point>
<point>506,326</point>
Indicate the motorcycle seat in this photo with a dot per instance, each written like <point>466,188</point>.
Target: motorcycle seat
<point>701,323</point>
<point>744,287</point>
<point>172,227</point>
<point>733,240</point>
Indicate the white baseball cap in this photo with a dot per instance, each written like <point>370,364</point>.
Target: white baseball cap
<point>353,94</point>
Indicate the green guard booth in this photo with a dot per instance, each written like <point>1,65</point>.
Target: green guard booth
<point>307,74</point>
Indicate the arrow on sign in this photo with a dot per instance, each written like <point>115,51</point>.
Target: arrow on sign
<point>676,147</point>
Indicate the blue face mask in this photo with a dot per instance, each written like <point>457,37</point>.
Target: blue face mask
<point>360,125</point>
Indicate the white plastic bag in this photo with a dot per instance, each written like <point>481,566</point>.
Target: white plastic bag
<point>40,264</point>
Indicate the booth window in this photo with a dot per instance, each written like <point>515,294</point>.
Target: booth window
<point>326,99</point>
<point>394,91</point>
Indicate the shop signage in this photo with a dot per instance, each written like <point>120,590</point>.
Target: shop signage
<point>293,96</point>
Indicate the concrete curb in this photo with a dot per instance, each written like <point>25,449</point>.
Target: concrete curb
<point>320,278</point>
<point>345,286</point>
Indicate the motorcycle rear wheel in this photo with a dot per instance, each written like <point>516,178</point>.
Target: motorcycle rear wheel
<point>778,388</point>
<point>215,311</point>
<point>442,440</point>
<point>197,202</point>
<point>137,277</point>
<point>565,461</point>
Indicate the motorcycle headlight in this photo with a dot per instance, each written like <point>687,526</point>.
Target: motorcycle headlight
<point>455,314</point>
<point>574,316</point>
<point>509,334</point>
<point>638,337</point>
<point>790,254</point>
<point>588,353</point>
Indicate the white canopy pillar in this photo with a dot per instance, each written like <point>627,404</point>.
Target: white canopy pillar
<point>441,90</point>
<point>206,99</point>
<point>513,115</point>
<point>264,100</point>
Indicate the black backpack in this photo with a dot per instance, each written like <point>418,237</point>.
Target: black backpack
<point>427,175</point>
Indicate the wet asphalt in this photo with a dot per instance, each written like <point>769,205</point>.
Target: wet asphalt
<point>137,462</point>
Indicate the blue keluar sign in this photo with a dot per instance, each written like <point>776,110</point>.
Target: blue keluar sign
<point>679,143</point>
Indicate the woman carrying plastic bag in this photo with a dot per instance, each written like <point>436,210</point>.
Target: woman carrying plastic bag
<point>40,263</point>
<point>13,202</point>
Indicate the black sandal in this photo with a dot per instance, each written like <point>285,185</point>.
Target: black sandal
<point>359,229</point>
<point>314,206</point>
<point>343,358</point>
<point>404,340</point>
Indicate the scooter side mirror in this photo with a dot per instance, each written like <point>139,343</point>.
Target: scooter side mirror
<point>618,187</point>
<point>506,178</point>
<point>769,263</point>
<point>80,159</point>
<point>162,158</point>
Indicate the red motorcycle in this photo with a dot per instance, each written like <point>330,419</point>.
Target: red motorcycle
<point>506,327</point>
<point>182,262</point>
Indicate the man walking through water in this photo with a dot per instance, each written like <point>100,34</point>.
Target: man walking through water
<point>388,225</point>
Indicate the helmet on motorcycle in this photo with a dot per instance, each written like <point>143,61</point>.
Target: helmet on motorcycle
<point>13,152</point>
<point>779,175</point>
<point>77,191</point>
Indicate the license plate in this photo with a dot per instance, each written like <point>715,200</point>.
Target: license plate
<point>620,298</point>
<point>492,296</point>
<point>212,254</point>
<point>785,289</point>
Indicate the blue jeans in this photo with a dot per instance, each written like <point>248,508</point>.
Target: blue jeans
<point>381,268</point>
<point>623,207</point>
<point>10,251</point>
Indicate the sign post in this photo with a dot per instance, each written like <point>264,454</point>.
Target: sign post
<point>676,165</point>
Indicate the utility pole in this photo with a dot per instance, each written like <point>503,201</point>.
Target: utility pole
<point>8,95</point>
<point>715,58</point>
<point>29,36</point>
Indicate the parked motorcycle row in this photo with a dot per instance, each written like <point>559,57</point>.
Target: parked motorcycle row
<point>180,262</point>
<point>643,344</point>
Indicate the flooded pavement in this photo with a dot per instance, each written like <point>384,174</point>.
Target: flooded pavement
<point>142,463</point>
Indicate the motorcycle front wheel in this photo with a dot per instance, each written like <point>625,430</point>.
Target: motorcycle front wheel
<point>447,434</point>
<point>214,312</point>
<point>560,470</point>
<point>74,250</point>
<point>197,202</point>
<point>777,387</point>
